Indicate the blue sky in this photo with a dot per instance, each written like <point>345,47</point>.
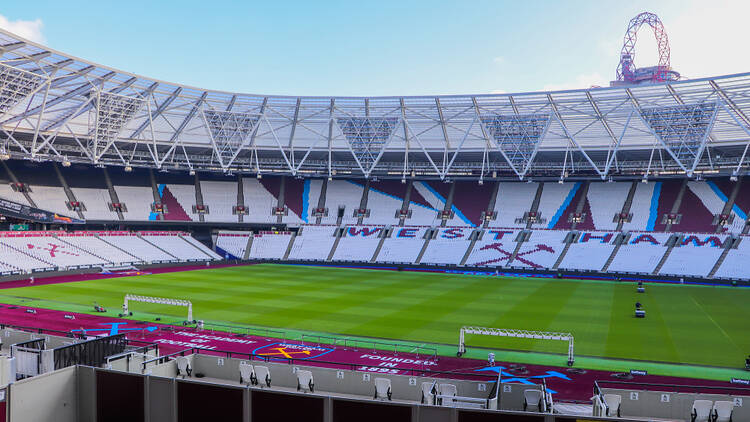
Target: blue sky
<point>380,47</point>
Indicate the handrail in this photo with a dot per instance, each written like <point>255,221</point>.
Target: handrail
<point>143,350</point>
<point>337,340</point>
<point>351,366</point>
<point>268,332</point>
<point>163,358</point>
<point>676,386</point>
<point>600,396</point>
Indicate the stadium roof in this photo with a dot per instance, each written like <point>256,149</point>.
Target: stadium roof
<point>54,106</point>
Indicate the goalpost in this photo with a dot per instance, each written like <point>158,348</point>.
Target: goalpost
<point>502,332</point>
<point>158,300</point>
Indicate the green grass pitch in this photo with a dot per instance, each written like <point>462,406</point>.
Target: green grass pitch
<point>702,325</point>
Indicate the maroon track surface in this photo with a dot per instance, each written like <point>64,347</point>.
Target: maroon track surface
<point>567,384</point>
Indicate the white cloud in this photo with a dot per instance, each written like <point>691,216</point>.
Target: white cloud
<point>581,81</point>
<point>31,30</point>
<point>498,60</point>
<point>707,38</point>
<point>498,91</point>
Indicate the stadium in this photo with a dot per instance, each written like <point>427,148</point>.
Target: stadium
<point>180,254</point>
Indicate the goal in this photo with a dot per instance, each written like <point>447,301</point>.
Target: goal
<point>160,301</point>
<point>502,332</point>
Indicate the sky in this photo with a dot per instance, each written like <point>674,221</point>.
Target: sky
<point>376,48</point>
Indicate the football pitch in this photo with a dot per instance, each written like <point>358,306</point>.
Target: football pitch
<point>698,325</point>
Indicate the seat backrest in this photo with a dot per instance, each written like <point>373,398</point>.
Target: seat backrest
<point>613,402</point>
<point>382,385</point>
<point>304,377</point>
<point>261,372</point>
<point>427,393</point>
<point>182,363</point>
<point>246,371</point>
<point>447,390</point>
<point>532,398</point>
<point>723,410</point>
<point>702,410</point>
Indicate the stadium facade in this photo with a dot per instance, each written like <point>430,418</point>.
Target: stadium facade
<point>61,108</point>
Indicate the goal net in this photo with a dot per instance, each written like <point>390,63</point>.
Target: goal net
<point>523,334</point>
<point>158,301</point>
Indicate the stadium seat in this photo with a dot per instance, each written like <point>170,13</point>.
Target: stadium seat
<point>305,381</point>
<point>247,374</point>
<point>183,366</point>
<point>428,393</point>
<point>532,400</point>
<point>701,411</point>
<point>447,390</point>
<point>613,404</point>
<point>382,388</point>
<point>262,373</point>
<point>722,411</point>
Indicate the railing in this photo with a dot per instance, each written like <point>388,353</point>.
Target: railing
<point>69,334</point>
<point>247,331</point>
<point>164,358</point>
<point>423,372</point>
<point>674,388</point>
<point>356,344</point>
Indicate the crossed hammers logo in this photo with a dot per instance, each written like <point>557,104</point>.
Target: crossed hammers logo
<point>53,249</point>
<point>519,256</point>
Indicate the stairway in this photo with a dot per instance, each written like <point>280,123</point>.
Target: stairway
<point>112,193</point>
<point>620,240</point>
<point>289,246</point>
<point>407,201</point>
<point>492,204</point>
<point>339,235</point>
<point>281,201</point>
<point>672,243</point>
<point>730,203</point>
<point>155,191</point>
<point>199,197</point>
<point>240,197</point>
<point>475,235</point>
<point>135,258</point>
<point>677,203</point>
<point>322,199</point>
<point>66,188</point>
<point>428,237</point>
<point>14,179</point>
<point>570,238</point>
<point>85,251</point>
<point>579,206</point>
<point>534,206</point>
<point>520,239</point>
<point>156,246</point>
<point>363,200</point>
<point>628,203</point>
<point>731,243</point>
<point>385,234</point>
<point>448,203</point>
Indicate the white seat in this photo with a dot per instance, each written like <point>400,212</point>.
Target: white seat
<point>247,374</point>
<point>428,393</point>
<point>263,374</point>
<point>447,390</point>
<point>701,410</point>
<point>532,400</point>
<point>613,404</point>
<point>722,411</point>
<point>305,381</point>
<point>383,388</point>
<point>183,366</point>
